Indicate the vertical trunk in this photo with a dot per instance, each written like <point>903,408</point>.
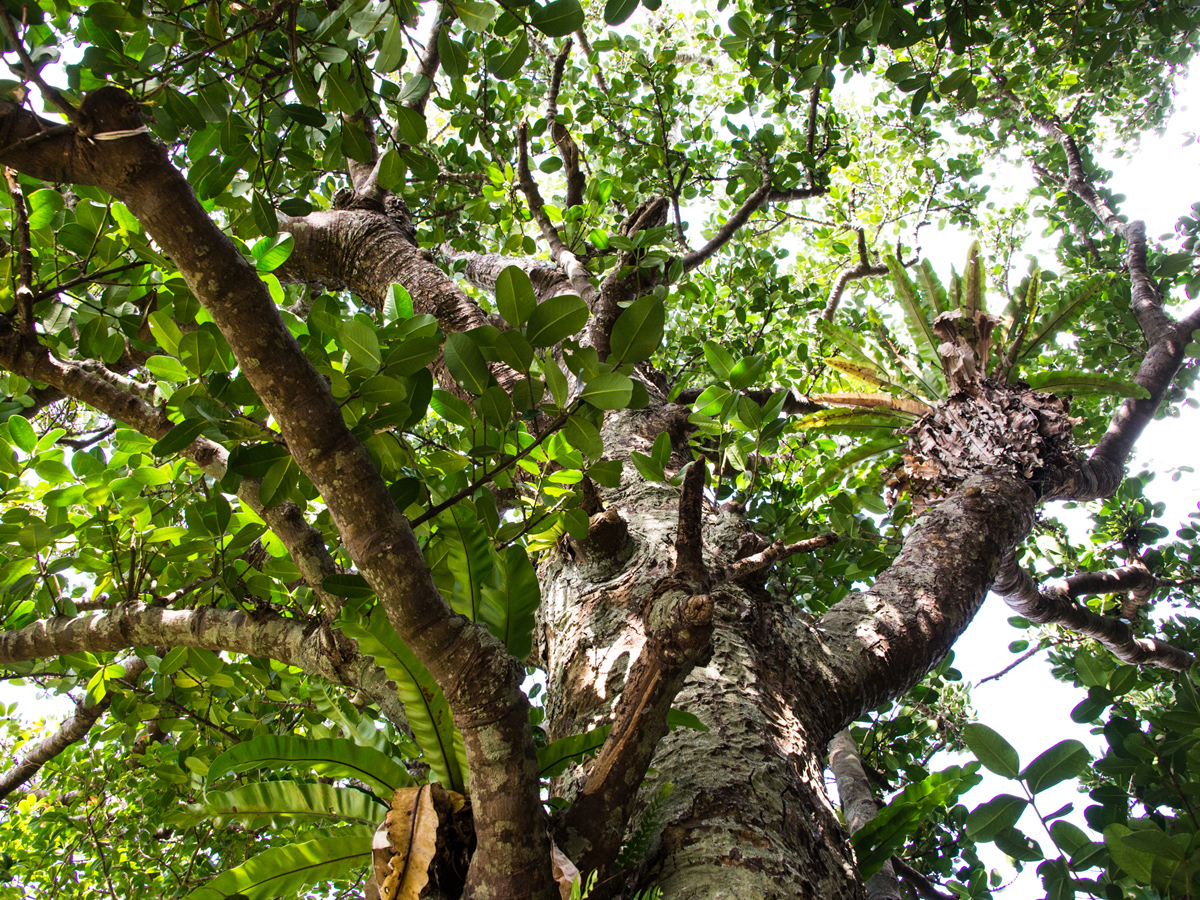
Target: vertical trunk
<point>748,815</point>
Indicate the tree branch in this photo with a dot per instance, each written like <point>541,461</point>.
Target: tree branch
<point>864,269</point>
<point>873,645</point>
<point>263,634</point>
<point>859,807</point>
<point>689,545</point>
<point>779,550</point>
<point>73,729</point>
<point>726,232</point>
<point>1053,604</point>
<point>577,274</point>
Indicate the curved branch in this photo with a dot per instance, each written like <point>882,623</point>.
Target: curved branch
<point>73,729</point>
<point>1054,604</point>
<point>859,807</point>
<point>577,273</point>
<point>875,644</point>
<point>779,550</point>
<point>265,634</point>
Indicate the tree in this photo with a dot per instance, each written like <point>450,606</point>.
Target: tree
<point>326,323</point>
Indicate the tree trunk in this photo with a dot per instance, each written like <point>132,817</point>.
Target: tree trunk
<point>748,815</point>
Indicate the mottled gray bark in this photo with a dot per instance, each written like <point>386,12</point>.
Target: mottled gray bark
<point>859,806</point>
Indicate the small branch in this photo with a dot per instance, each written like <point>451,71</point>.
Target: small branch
<point>576,273</point>
<point>92,278</point>
<point>777,551</point>
<point>24,295</point>
<point>689,546</point>
<point>264,634</point>
<point>859,806</point>
<point>1028,654</point>
<point>1054,605</point>
<point>430,59</point>
<point>922,885</point>
<point>726,232</point>
<point>73,729</point>
<point>560,65</point>
<point>487,476</point>
<point>32,72</point>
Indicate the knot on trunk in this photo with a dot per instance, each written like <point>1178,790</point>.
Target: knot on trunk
<point>678,623</point>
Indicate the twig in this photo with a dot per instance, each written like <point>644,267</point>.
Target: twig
<point>487,476</point>
<point>24,256</point>
<point>777,551</point>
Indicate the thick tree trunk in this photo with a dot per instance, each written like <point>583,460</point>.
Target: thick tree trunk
<point>748,816</point>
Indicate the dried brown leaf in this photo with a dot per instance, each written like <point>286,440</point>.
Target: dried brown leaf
<point>564,871</point>
<point>412,832</point>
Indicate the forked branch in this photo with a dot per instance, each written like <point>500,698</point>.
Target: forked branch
<point>1054,604</point>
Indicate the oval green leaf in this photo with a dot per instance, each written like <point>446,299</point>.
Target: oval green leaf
<point>555,319</point>
<point>992,750</point>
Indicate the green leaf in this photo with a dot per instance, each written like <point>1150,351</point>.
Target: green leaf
<point>264,215</point>
<point>284,802</point>
<point>617,11</point>
<point>1064,760</point>
<point>21,433</point>
<point>611,391</point>
<point>413,355</point>
<point>554,758</point>
<point>1136,862</point>
<point>558,18</point>
<point>469,556</point>
<point>1063,313</point>
<point>638,331</point>
<point>718,359</point>
<point>514,350</point>
<point>584,437</point>
<point>475,14</point>
<point>272,252</point>
<point>254,461</point>
<point>509,611</point>
<point>168,368</point>
<point>1073,382</point>
<point>515,298</point>
<point>424,703</point>
<point>556,318</point>
<point>305,115</point>
<point>506,62</point>
<point>178,437</point>
<point>679,718</point>
<point>467,364</point>
<point>453,58</point>
<point>648,467</point>
<point>348,585</point>
<point>334,757</point>
<point>1015,844</point>
<point>285,871</point>
<point>992,750</point>
<point>43,205</point>
<point>914,311</point>
<point>411,126</point>
<point>999,813</point>
<point>361,343</point>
